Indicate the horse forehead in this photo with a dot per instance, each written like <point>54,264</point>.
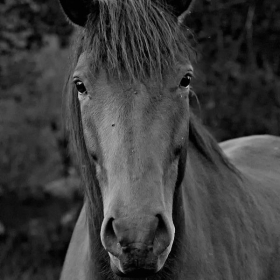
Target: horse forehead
<point>117,99</point>
<point>128,104</point>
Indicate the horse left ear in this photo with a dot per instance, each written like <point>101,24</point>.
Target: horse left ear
<point>77,11</point>
<point>181,8</point>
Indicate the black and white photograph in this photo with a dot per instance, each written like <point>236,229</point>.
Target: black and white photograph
<point>139,139</point>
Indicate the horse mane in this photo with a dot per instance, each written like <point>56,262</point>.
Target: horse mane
<point>207,145</point>
<point>138,39</point>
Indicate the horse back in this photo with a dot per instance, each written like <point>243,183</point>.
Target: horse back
<point>257,156</point>
<point>258,160</point>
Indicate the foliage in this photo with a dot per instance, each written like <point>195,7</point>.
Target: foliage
<point>25,23</point>
<point>30,129</point>
<point>238,81</point>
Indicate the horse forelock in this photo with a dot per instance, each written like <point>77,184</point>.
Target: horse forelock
<point>138,39</point>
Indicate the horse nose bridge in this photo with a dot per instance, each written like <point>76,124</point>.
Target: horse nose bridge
<point>135,195</point>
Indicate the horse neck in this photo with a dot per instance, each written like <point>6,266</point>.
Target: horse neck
<point>211,203</point>
<point>98,266</point>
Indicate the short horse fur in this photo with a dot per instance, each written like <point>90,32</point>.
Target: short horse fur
<point>163,200</point>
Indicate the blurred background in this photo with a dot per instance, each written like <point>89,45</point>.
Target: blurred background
<point>237,84</point>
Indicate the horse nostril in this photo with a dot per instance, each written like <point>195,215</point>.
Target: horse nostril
<point>161,224</point>
<point>163,236</point>
<point>108,236</point>
<point>150,248</point>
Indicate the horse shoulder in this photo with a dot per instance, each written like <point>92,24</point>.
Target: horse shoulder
<point>76,261</point>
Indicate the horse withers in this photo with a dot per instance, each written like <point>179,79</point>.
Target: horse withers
<point>162,199</point>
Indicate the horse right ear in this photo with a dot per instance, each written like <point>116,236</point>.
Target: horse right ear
<point>181,8</point>
<point>77,11</point>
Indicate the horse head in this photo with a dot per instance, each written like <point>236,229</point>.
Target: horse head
<point>131,82</point>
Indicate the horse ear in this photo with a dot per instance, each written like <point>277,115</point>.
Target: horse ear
<point>181,8</point>
<point>77,11</point>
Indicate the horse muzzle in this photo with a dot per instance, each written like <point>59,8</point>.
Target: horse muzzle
<point>137,261</point>
<point>137,247</point>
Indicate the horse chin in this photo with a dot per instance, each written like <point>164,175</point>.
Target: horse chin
<point>135,269</point>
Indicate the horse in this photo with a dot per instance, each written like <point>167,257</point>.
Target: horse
<point>163,200</point>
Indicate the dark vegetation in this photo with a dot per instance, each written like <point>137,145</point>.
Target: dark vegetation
<point>237,84</point>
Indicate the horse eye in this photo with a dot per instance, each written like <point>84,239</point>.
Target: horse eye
<point>80,87</point>
<point>185,82</point>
